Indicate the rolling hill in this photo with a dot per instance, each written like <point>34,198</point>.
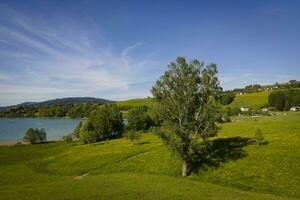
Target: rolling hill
<point>236,169</point>
<point>62,101</point>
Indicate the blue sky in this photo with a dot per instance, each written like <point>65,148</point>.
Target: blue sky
<point>118,49</point>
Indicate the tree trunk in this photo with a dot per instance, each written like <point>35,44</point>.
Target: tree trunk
<point>185,162</point>
<point>184,167</point>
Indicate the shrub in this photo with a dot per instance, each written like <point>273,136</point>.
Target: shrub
<point>104,123</point>
<point>132,136</point>
<point>68,138</point>
<point>86,135</point>
<point>77,130</point>
<point>138,119</point>
<point>34,136</point>
<point>226,98</point>
<point>259,139</point>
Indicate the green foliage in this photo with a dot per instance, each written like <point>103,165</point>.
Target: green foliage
<point>68,110</point>
<point>283,100</point>
<point>104,123</point>
<point>132,136</point>
<point>69,138</point>
<point>259,138</point>
<point>226,98</point>
<point>139,119</point>
<point>76,131</point>
<point>34,136</point>
<point>185,94</point>
<point>277,100</point>
<point>86,134</point>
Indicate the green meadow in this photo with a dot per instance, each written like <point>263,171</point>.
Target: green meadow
<point>236,168</point>
<point>252,100</point>
<point>136,102</point>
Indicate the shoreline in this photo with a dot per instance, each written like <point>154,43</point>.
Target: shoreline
<point>18,142</point>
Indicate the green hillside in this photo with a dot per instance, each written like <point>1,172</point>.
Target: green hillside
<point>253,100</point>
<point>237,168</point>
<point>136,102</point>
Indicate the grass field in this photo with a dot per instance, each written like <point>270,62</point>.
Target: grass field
<point>136,102</point>
<point>236,169</point>
<point>252,100</point>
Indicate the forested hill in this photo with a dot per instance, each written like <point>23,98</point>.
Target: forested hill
<point>74,107</point>
<point>62,101</point>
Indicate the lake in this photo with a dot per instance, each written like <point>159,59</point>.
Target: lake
<point>12,129</point>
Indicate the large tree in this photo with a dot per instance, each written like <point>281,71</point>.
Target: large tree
<point>186,98</point>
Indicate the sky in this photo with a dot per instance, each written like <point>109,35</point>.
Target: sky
<point>118,49</point>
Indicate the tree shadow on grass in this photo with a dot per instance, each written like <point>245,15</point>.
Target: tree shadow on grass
<point>141,143</point>
<point>217,152</point>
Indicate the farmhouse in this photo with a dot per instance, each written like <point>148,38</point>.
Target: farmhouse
<point>295,108</point>
<point>244,109</point>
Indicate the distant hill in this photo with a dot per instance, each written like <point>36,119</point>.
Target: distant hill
<point>136,102</point>
<point>62,101</point>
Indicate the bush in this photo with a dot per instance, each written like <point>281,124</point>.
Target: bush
<point>132,136</point>
<point>259,139</point>
<point>226,98</point>
<point>69,138</point>
<point>104,123</point>
<point>86,135</point>
<point>138,119</point>
<point>34,136</point>
<point>77,130</point>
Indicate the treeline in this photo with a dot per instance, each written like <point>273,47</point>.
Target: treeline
<point>107,122</point>
<point>258,88</point>
<point>284,100</point>
<point>71,110</point>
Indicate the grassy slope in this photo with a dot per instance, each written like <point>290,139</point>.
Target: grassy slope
<point>253,100</point>
<point>136,102</point>
<point>147,170</point>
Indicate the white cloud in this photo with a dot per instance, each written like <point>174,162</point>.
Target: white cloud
<point>51,62</point>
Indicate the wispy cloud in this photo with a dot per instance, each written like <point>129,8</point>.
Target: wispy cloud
<point>41,59</point>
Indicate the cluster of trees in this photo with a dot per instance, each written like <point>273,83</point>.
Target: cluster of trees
<point>226,98</point>
<point>277,86</point>
<point>283,100</point>
<point>69,110</point>
<point>104,123</point>
<point>34,136</point>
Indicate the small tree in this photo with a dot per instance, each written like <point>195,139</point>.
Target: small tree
<point>42,135</point>
<point>104,123</point>
<point>34,136</point>
<point>86,135</point>
<point>68,138</point>
<point>31,136</point>
<point>77,130</point>
<point>132,136</point>
<point>186,96</point>
<point>138,119</point>
<point>259,138</point>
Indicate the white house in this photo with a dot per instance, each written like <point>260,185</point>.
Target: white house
<point>244,109</point>
<point>295,108</point>
<point>265,109</point>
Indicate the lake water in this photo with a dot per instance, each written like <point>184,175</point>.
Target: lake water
<point>12,129</point>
